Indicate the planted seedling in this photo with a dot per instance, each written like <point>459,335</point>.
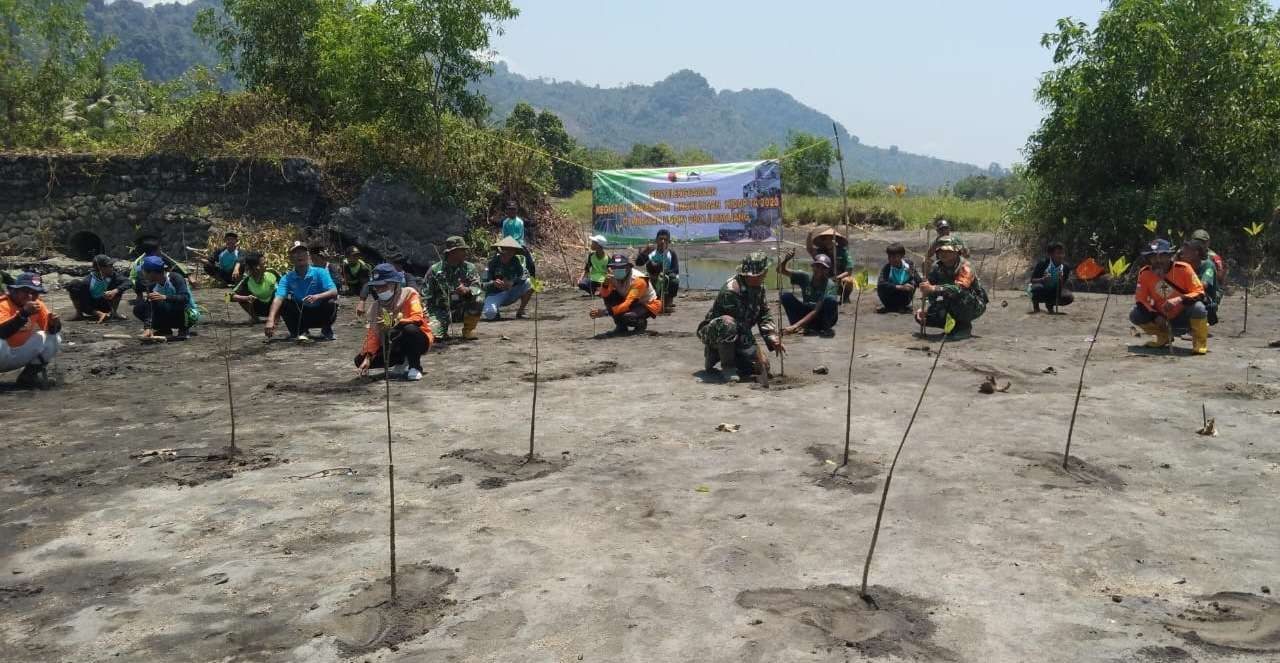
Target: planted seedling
<point>1117,268</point>
<point>860,281</point>
<point>1254,231</point>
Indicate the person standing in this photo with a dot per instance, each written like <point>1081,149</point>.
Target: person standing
<point>306,297</point>
<point>898,281</point>
<point>1049,280</point>
<point>817,308</point>
<point>507,280</point>
<point>29,331</point>
<point>453,290</point>
<point>513,227</point>
<point>1169,299</point>
<point>166,306</point>
<point>98,295</point>
<point>726,331</point>
<point>952,291</point>
<point>663,266</point>
<point>396,318</point>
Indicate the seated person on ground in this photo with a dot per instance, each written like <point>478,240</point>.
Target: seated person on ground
<point>1196,254</point>
<point>1169,299</point>
<point>663,266</point>
<point>514,227</point>
<point>28,331</point>
<point>149,245</point>
<point>595,268</point>
<point>306,297</point>
<point>952,290</point>
<point>507,280</point>
<point>726,331</point>
<point>453,291</point>
<point>898,281</point>
<point>258,287</point>
<point>1219,265</point>
<point>98,295</point>
<point>355,272</point>
<point>827,241</point>
<point>224,266</point>
<point>166,305</point>
<point>817,308</point>
<point>1049,280</point>
<point>405,331</point>
<point>629,297</point>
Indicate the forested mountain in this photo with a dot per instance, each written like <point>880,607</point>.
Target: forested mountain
<point>684,111</point>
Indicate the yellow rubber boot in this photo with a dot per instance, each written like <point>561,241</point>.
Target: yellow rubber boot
<point>1199,336</point>
<point>1160,330</point>
<point>469,323</point>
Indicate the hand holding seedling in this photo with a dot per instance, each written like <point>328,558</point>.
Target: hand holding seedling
<point>363,369</point>
<point>270,328</point>
<point>775,343</point>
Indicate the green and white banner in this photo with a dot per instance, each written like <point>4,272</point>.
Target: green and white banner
<point>726,202</point>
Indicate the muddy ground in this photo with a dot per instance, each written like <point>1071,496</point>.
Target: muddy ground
<point>642,533</point>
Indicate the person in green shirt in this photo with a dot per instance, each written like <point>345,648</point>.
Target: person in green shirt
<point>1196,253</point>
<point>596,268</point>
<point>452,291</point>
<point>817,308</point>
<point>355,272</point>
<point>507,280</point>
<point>825,240</point>
<point>255,291</point>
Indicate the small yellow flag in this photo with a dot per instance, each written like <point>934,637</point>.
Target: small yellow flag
<point>1151,225</point>
<point>950,324</point>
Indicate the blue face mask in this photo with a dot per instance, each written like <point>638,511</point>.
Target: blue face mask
<point>621,274</point>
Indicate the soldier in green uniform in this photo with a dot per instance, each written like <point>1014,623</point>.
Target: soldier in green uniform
<point>726,331</point>
<point>453,290</point>
<point>944,232</point>
<point>952,290</point>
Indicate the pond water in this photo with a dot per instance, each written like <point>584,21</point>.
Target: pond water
<point>711,273</point>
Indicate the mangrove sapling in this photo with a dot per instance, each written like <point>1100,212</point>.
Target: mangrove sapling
<point>226,359</point>
<point>777,270</point>
<point>533,409</point>
<point>1117,267</point>
<point>388,323</point>
<point>860,281</point>
<point>888,479</point>
<point>1253,231</point>
<point>844,187</point>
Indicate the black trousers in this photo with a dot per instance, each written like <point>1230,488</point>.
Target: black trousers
<point>796,308</point>
<point>528,261</point>
<point>82,299</point>
<point>300,318</point>
<point>408,344</point>
<point>1043,293</point>
<point>892,298</point>
<point>256,307</point>
<point>162,317</point>
<point>214,270</point>
<point>636,317</point>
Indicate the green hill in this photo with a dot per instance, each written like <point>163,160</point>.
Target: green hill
<point>684,111</point>
<point>157,37</point>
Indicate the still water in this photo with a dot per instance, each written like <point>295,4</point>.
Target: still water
<point>711,273</point>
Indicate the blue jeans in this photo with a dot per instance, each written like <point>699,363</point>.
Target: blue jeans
<point>828,311</point>
<point>505,298</point>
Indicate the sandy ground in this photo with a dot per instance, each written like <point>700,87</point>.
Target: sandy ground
<point>642,533</point>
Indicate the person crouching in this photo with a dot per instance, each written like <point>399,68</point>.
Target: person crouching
<point>28,331</point>
<point>396,318</point>
<point>166,305</point>
<point>98,295</point>
<point>629,297</point>
<point>1170,298</point>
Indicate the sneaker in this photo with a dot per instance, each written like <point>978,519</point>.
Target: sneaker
<point>398,371</point>
<point>413,375</point>
<point>327,333</point>
<point>302,338</point>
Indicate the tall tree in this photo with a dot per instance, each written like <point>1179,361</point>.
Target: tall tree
<point>1167,109</point>
<point>807,168</point>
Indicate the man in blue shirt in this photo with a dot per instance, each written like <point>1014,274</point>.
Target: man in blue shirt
<point>306,297</point>
<point>225,264</point>
<point>513,227</point>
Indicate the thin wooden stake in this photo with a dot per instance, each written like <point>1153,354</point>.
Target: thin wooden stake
<point>848,407</point>
<point>884,496</point>
<point>226,359</point>
<point>844,188</point>
<point>777,270</point>
<point>533,411</point>
<point>1066,453</point>
<point>391,464</point>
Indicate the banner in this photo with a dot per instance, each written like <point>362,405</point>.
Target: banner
<point>726,202</point>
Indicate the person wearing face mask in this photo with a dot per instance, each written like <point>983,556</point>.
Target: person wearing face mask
<point>952,291</point>
<point>663,266</point>
<point>507,280</point>
<point>98,295</point>
<point>396,318</point>
<point>726,331</point>
<point>1169,299</point>
<point>629,297</point>
<point>29,336</point>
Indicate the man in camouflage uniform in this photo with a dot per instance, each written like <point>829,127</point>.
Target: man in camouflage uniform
<point>952,289</point>
<point>944,233</point>
<point>726,331</point>
<point>452,291</point>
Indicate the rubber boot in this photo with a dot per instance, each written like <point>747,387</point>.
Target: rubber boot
<point>1199,336</point>
<point>710,357</point>
<point>469,323</point>
<point>1160,330</point>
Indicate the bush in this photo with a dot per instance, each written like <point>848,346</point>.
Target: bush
<point>865,189</point>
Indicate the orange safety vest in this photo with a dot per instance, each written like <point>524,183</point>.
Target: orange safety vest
<point>38,322</point>
<point>640,291</point>
<point>1181,281</point>
<point>410,310</point>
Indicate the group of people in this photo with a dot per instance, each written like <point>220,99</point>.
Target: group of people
<point>1178,292</point>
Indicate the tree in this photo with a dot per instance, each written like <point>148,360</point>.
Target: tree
<point>694,156</point>
<point>650,156</point>
<point>1167,109</point>
<point>807,168</point>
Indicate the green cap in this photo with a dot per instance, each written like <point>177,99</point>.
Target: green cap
<point>454,243</point>
<point>755,264</point>
<point>1201,235</point>
<point>947,244</point>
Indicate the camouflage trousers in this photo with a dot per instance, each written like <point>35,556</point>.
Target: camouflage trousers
<point>964,308</point>
<point>724,330</point>
<point>440,318</point>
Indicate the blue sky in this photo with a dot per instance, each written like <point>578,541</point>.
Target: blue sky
<point>944,78</point>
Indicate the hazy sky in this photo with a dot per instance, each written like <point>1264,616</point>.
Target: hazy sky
<point>938,77</point>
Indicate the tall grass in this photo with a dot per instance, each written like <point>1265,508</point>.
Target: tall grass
<point>906,212</point>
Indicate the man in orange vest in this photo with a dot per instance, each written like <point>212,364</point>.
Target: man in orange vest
<point>28,331</point>
<point>1170,297</point>
<point>628,296</point>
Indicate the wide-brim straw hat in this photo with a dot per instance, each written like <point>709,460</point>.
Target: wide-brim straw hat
<point>508,242</point>
<point>823,231</point>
